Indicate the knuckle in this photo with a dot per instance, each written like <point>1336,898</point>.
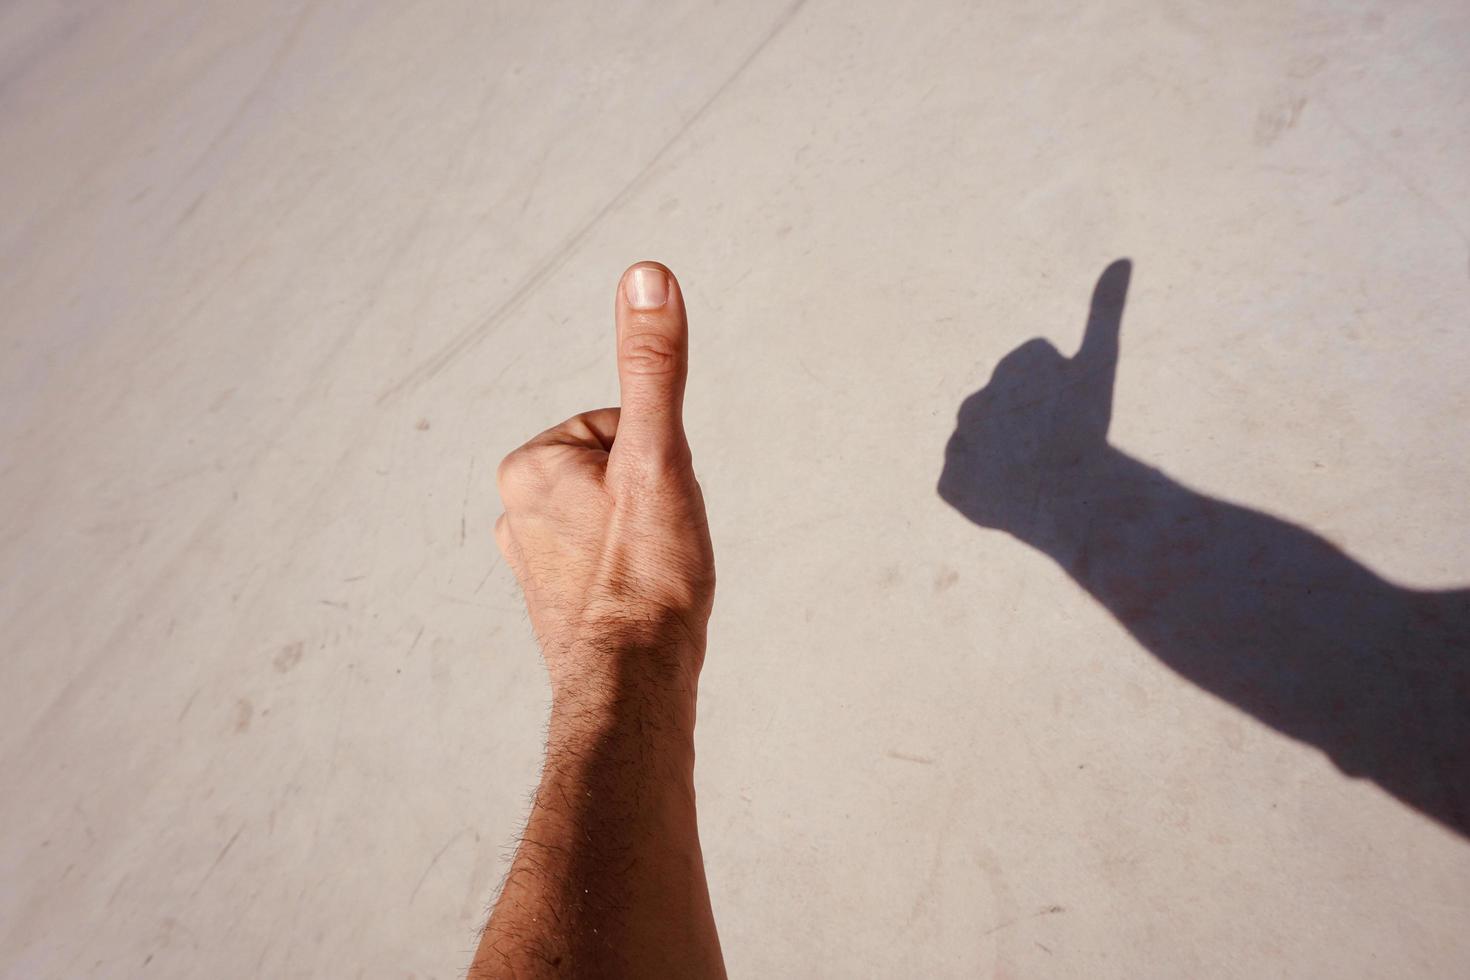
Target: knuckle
<point>650,353</point>
<point>515,472</point>
<point>506,471</point>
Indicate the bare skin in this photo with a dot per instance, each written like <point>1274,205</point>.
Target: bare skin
<point>605,529</point>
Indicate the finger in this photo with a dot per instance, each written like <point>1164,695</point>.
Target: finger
<point>587,430</point>
<point>653,360</point>
<point>1099,351</point>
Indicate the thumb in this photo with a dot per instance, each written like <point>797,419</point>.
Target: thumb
<point>1097,358</point>
<point>653,360</point>
<point>1099,350</point>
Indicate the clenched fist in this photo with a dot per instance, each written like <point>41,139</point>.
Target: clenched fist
<point>604,523</point>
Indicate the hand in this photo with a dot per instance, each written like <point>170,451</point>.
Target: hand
<point>604,522</point>
<point>1035,430</point>
<point>604,526</point>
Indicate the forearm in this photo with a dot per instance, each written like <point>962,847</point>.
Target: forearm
<point>608,879</point>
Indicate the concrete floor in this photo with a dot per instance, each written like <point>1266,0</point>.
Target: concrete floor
<point>281,282</point>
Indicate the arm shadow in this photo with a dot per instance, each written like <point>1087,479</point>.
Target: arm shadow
<point>1264,614</point>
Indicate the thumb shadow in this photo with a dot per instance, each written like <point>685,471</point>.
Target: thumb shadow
<point>1262,613</point>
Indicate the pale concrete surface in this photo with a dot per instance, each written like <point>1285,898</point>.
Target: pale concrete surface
<point>280,282</point>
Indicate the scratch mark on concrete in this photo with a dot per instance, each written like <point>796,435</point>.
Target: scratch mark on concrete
<point>465,505</point>
<point>117,891</point>
<point>187,705</point>
<point>341,714</point>
<point>495,561</point>
<point>435,860</point>
<point>217,859</point>
<point>1049,910</point>
<point>86,824</point>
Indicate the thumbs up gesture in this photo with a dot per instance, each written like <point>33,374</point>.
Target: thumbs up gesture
<point>604,522</point>
<point>1034,434</point>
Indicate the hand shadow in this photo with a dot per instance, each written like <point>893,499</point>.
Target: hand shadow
<point>1259,612</point>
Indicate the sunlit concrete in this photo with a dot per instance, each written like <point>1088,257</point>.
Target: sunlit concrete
<point>281,282</point>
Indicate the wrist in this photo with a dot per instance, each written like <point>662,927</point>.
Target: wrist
<point>621,684</point>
